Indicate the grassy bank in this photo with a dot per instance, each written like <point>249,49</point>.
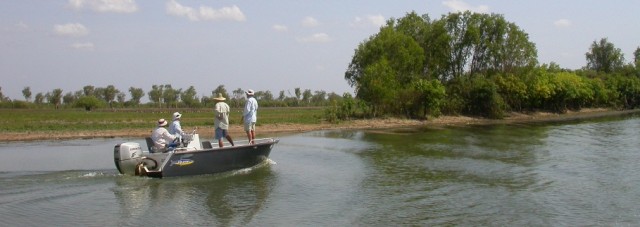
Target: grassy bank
<point>62,120</point>
<point>48,124</point>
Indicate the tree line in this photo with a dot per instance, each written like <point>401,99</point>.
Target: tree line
<point>161,96</point>
<point>480,65</point>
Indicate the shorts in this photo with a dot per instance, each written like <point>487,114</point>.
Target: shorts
<point>249,126</point>
<point>221,133</point>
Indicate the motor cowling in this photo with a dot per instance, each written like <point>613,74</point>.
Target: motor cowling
<point>127,156</point>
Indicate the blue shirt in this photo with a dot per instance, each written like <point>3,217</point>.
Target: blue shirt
<point>175,129</point>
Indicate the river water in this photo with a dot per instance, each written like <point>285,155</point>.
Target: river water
<point>554,174</point>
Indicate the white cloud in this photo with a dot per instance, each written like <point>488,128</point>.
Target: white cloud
<point>461,6</point>
<point>21,26</point>
<point>562,23</point>
<point>280,28</point>
<point>369,21</point>
<point>205,13</point>
<point>310,22</point>
<point>315,38</point>
<point>71,29</point>
<point>83,46</point>
<point>105,6</point>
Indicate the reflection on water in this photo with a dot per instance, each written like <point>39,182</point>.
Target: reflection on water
<point>570,174</point>
<point>229,199</point>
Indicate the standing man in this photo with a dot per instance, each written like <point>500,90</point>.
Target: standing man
<point>221,121</point>
<point>249,116</point>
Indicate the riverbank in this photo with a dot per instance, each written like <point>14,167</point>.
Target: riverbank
<point>236,131</point>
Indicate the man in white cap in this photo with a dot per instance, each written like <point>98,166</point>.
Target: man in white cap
<point>221,120</point>
<point>162,139</point>
<point>250,116</point>
<point>175,129</point>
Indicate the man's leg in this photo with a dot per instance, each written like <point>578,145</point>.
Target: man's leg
<point>229,139</point>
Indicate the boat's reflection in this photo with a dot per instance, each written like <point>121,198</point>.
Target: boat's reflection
<point>233,198</point>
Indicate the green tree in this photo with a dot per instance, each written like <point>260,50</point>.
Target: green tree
<point>55,97</point>
<point>88,102</point>
<point>39,99</point>
<point>26,92</point>
<point>68,98</point>
<point>513,90</point>
<point>487,44</point>
<point>88,90</point>
<point>378,87</point>
<point>221,90</point>
<point>604,56</point>
<point>401,53</point>
<point>189,97</point>
<point>306,96</point>
<point>109,94</point>
<point>238,97</point>
<point>170,95</point>
<point>136,95</point>
<point>319,97</point>
<point>298,94</point>
<point>428,99</point>
<point>155,94</point>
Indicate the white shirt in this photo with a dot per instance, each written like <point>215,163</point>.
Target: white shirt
<point>250,110</point>
<point>161,137</point>
<point>221,119</point>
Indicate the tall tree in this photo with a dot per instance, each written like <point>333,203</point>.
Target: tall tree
<point>402,53</point>
<point>26,92</point>
<point>306,96</point>
<point>39,99</point>
<point>171,95</point>
<point>189,97</point>
<point>220,90</point>
<point>68,98</point>
<point>88,90</point>
<point>155,95</point>
<point>136,95</point>
<point>298,93</point>
<point>55,97</point>
<point>603,56</point>
<point>319,97</point>
<point>109,94</point>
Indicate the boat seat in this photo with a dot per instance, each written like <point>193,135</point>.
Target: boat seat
<point>149,144</point>
<point>206,144</point>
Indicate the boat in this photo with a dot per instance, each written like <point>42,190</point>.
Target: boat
<point>191,157</point>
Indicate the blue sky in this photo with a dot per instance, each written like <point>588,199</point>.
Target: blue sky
<point>262,45</point>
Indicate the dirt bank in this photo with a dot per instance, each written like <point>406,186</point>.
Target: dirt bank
<point>275,129</point>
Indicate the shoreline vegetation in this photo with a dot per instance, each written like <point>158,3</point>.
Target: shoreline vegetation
<point>277,129</point>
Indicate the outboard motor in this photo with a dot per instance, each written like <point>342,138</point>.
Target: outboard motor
<point>127,156</point>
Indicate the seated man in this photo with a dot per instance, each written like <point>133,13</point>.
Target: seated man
<point>175,129</point>
<point>161,137</point>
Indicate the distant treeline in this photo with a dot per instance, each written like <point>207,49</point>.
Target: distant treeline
<point>480,65</point>
<point>161,96</point>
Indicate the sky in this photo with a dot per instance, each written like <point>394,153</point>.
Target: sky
<point>261,45</point>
